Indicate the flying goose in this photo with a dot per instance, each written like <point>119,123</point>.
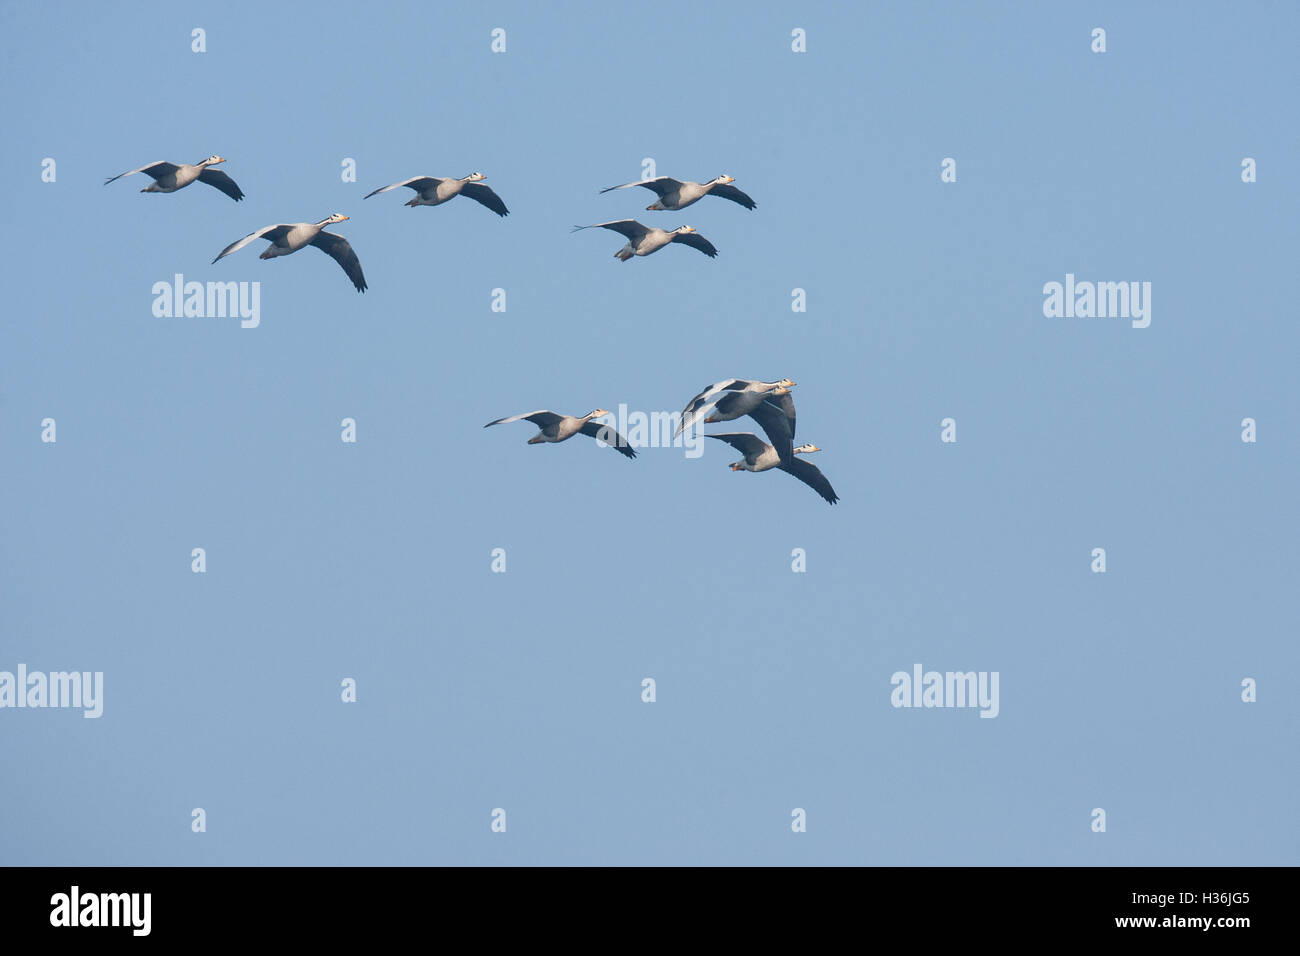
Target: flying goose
<point>760,456</point>
<point>286,238</point>
<point>677,194</point>
<point>432,191</point>
<point>555,427</point>
<point>169,177</point>
<point>643,240</point>
<point>748,395</point>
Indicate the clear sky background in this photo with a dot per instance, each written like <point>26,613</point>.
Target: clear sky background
<point>522,690</point>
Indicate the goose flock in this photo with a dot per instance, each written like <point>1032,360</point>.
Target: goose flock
<point>287,238</point>
<point>767,403</point>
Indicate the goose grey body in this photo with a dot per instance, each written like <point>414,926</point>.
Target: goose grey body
<point>556,428</point>
<point>169,177</point>
<point>677,194</point>
<point>643,240</point>
<point>760,456</point>
<point>732,398</point>
<point>288,238</point>
<point>434,191</point>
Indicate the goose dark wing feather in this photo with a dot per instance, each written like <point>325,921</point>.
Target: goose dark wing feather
<point>751,446</point>
<point>215,177</point>
<point>340,250</point>
<point>734,194</point>
<point>777,426</point>
<point>610,436</point>
<point>696,241</point>
<point>811,476</point>
<point>485,196</point>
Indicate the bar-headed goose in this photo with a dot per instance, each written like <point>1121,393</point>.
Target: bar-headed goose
<point>555,427</point>
<point>643,240</point>
<point>286,238</point>
<point>747,395</point>
<point>169,177</point>
<point>434,191</point>
<point>760,456</point>
<point>677,194</point>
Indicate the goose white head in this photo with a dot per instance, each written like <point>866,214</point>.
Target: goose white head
<point>806,449</point>
<point>211,161</point>
<point>598,413</point>
<point>684,229</point>
<point>723,180</point>
<point>337,217</point>
<point>787,383</point>
<point>781,390</point>
<point>475,178</point>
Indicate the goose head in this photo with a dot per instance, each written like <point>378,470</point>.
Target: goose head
<point>787,383</point>
<point>211,161</point>
<point>806,449</point>
<point>598,413</point>
<point>684,229</point>
<point>336,217</point>
<point>723,180</point>
<point>781,390</point>
<point>475,178</point>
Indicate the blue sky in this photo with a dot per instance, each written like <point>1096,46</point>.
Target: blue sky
<point>522,690</point>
